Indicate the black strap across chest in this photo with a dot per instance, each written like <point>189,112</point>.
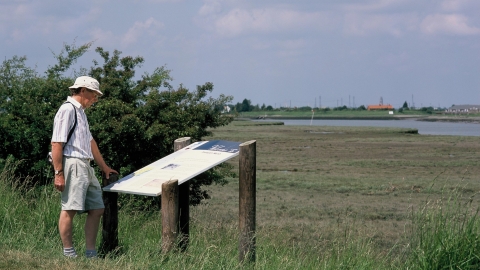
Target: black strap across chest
<point>70,133</point>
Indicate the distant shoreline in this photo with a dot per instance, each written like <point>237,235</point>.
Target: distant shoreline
<point>396,117</point>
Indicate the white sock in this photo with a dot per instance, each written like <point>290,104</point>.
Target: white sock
<point>70,252</point>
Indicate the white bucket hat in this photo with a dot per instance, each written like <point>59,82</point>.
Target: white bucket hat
<point>88,82</point>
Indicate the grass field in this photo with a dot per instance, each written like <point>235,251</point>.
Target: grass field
<point>319,177</point>
<point>327,198</point>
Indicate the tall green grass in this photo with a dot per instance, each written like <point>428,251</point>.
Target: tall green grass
<point>444,235</point>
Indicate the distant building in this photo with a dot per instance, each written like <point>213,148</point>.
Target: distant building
<point>465,109</point>
<point>226,109</point>
<point>379,107</point>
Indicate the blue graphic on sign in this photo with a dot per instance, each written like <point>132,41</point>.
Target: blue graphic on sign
<point>220,146</point>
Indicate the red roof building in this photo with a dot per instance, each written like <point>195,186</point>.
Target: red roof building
<point>380,107</point>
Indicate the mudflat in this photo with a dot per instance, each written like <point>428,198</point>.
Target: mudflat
<point>313,179</point>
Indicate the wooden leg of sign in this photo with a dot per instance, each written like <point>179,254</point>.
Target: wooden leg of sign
<point>184,213</point>
<point>247,200</point>
<point>169,215</point>
<point>109,240</point>
<point>183,201</point>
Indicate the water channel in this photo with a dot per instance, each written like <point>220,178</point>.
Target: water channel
<point>423,127</point>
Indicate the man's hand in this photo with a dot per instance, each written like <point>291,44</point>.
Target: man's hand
<point>99,160</point>
<point>107,171</point>
<point>60,182</point>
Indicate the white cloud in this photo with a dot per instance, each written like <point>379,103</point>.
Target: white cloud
<point>392,24</point>
<point>16,11</point>
<point>16,15</point>
<point>159,1</point>
<point>397,17</point>
<point>376,5</point>
<point>458,5</point>
<point>28,19</point>
<point>105,38</point>
<point>456,24</point>
<point>241,21</point>
<point>140,31</point>
<point>17,35</point>
<point>149,27</point>
<point>210,8</point>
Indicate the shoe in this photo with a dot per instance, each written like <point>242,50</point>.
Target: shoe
<point>91,254</point>
<point>73,255</point>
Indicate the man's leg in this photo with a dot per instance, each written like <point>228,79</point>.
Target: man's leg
<point>91,227</point>
<point>93,202</point>
<point>65,227</point>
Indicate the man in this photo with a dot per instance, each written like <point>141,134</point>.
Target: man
<point>74,177</point>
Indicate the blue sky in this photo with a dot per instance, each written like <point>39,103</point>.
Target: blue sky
<point>301,52</point>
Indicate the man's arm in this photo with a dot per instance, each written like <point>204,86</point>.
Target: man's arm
<point>97,156</point>
<point>57,159</point>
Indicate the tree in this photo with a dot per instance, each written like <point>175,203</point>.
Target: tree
<point>340,108</point>
<point>405,105</point>
<point>246,105</point>
<point>134,123</point>
<point>305,108</point>
<point>428,110</point>
<point>29,102</point>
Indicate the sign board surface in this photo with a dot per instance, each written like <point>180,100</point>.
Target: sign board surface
<point>182,165</point>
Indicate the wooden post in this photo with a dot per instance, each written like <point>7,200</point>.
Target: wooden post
<point>109,240</point>
<point>181,143</point>
<point>183,200</point>
<point>247,200</point>
<point>169,215</point>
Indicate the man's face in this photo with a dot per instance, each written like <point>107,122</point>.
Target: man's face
<point>89,97</point>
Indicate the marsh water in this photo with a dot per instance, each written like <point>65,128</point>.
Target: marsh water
<point>423,127</point>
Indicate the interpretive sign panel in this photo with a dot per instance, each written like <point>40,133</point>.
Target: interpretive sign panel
<point>182,165</point>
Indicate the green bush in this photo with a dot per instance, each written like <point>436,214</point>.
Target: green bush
<point>134,123</point>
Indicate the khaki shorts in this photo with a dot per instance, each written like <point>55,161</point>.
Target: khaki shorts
<point>82,190</point>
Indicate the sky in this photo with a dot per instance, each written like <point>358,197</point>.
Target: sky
<point>294,53</point>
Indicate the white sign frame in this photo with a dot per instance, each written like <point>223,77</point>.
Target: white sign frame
<point>181,165</point>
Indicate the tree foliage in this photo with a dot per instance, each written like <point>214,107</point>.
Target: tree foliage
<point>428,110</point>
<point>134,123</point>
<point>245,106</point>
